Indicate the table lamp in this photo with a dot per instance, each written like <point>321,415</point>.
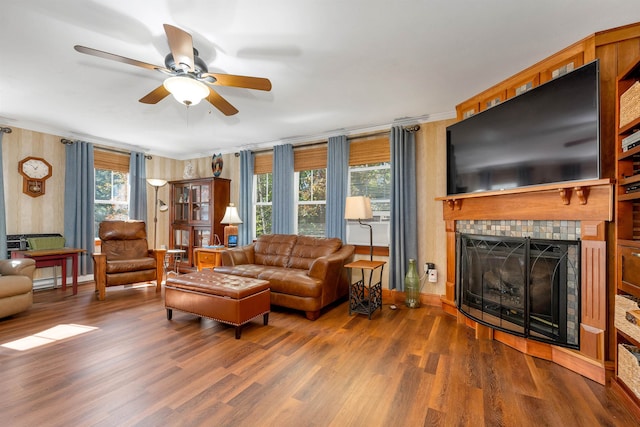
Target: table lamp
<point>359,207</point>
<point>231,218</point>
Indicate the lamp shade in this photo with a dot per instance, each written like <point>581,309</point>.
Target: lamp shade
<point>186,90</point>
<point>163,206</point>
<point>154,182</point>
<point>231,215</point>
<point>358,207</point>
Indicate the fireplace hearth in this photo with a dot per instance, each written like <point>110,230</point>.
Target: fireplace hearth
<point>520,285</point>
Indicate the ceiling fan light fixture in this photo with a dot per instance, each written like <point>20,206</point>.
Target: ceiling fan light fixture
<point>186,90</point>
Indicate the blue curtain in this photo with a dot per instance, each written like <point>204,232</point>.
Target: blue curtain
<point>337,178</point>
<point>283,192</point>
<point>78,202</point>
<point>138,184</point>
<point>404,223</point>
<point>3,214</point>
<point>245,230</point>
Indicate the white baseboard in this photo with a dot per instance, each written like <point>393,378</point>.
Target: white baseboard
<point>48,283</point>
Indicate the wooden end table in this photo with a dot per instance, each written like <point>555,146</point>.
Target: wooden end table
<point>208,257</point>
<point>365,296</point>
<point>54,258</point>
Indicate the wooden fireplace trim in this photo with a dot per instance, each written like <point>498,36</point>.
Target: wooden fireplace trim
<point>584,201</point>
<point>591,203</point>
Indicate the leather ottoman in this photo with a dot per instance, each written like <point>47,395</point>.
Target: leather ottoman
<point>222,297</point>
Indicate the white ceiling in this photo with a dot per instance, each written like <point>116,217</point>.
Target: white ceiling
<point>336,66</point>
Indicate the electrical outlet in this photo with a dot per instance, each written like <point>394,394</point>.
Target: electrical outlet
<point>433,276</point>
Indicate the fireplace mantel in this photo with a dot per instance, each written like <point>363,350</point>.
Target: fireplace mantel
<point>580,201</point>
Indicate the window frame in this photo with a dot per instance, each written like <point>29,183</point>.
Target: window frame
<point>113,162</point>
<point>381,220</point>
<point>299,203</point>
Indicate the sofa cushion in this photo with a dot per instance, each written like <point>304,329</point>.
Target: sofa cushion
<point>274,249</point>
<point>126,265</point>
<point>307,249</point>
<point>14,285</point>
<point>281,279</point>
<point>244,270</point>
<point>292,281</point>
<point>122,230</point>
<point>126,249</point>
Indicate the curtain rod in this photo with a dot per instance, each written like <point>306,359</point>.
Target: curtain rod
<point>411,128</point>
<point>66,141</point>
<point>5,130</point>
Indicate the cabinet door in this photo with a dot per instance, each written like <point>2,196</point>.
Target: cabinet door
<point>181,203</point>
<point>182,238</point>
<point>200,203</point>
<point>202,237</point>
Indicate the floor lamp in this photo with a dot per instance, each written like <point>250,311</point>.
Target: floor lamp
<point>359,207</point>
<point>156,184</point>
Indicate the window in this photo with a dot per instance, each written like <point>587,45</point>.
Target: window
<point>372,180</point>
<point>311,206</point>
<point>111,197</point>
<point>264,203</point>
<point>369,174</point>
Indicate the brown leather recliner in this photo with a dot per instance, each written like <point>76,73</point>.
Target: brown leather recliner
<point>125,257</point>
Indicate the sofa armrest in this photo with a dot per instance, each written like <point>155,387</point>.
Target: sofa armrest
<point>18,267</point>
<point>331,265</point>
<point>238,256</point>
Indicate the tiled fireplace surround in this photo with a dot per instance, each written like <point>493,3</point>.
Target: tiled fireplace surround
<point>566,212</point>
<point>543,230</point>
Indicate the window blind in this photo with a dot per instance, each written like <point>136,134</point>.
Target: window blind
<point>365,151</point>
<point>109,160</point>
<point>361,151</point>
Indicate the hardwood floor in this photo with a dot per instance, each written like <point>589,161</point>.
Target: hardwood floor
<point>408,367</point>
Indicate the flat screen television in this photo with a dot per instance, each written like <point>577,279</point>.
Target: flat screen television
<point>549,134</point>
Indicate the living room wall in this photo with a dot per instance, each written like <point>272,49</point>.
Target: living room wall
<point>45,214</point>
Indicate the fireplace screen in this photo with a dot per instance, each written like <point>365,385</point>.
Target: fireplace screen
<point>528,287</point>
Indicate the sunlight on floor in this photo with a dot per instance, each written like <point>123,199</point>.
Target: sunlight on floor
<point>48,336</point>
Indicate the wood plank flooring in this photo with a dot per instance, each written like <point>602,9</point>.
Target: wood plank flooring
<point>408,367</point>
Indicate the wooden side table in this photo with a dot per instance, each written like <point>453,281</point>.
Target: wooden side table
<point>207,257</point>
<point>365,296</point>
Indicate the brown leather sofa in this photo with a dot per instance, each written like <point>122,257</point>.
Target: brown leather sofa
<point>305,273</point>
<point>16,285</point>
<point>125,256</point>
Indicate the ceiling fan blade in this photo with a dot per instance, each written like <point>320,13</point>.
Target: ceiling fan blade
<point>181,44</point>
<point>155,96</point>
<point>220,103</point>
<point>258,83</point>
<point>118,58</point>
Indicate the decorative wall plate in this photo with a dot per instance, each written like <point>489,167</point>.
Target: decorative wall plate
<point>216,164</point>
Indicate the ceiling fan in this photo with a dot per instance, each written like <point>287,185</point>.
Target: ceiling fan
<point>189,80</point>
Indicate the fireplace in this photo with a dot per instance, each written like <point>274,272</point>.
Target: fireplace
<point>521,285</point>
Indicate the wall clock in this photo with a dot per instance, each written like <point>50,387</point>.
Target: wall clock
<point>35,171</point>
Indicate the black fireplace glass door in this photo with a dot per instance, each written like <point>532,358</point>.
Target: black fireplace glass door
<point>492,275</point>
<point>528,287</point>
